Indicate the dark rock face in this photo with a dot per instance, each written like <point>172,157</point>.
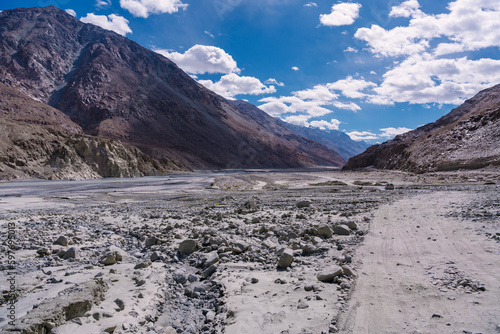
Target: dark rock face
<point>467,137</point>
<point>334,140</point>
<point>114,88</point>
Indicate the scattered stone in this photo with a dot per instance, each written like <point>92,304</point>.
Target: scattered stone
<point>240,246</point>
<point>212,258</point>
<point>43,251</point>
<point>142,265</point>
<point>110,329</point>
<point>342,230</point>
<point>187,247</point>
<point>120,304</point>
<point>151,241</point>
<point>71,253</point>
<point>109,259</point>
<point>285,259</point>
<point>302,305</point>
<point>324,231</point>
<point>348,271</point>
<point>209,271</point>
<point>352,225</point>
<point>155,256</point>
<point>303,204</point>
<point>329,276</point>
<point>62,240</point>
<point>254,280</point>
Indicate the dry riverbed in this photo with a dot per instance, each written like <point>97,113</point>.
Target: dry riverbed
<point>277,252</point>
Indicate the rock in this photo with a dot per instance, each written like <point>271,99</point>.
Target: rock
<point>151,241</point>
<point>342,230</point>
<point>110,329</point>
<point>285,259</point>
<point>155,256</point>
<point>209,271</point>
<point>352,225</point>
<point>62,240</point>
<point>324,231</point>
<point>303,204</point>
<point>169,330</point>
<point>348,271</point>
<point>187,246</point>
<point>71,253</point>
<point>268,243</point>
<point>329,275</point>
<point>109,259</point>
<point>212,258</point>
<point>43,251</point>
<point>302,305</point>
<point>120,304</point>
<point>142,265</point>
<point>210,316</point>
<point>254,280</point>
<point>248,207</point>
<point>240,246</point>
<point>308,249</point>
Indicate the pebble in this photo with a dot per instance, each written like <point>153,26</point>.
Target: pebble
<point>324,231</point>
<point>71,253</point>
<point>329,275</point>
<point>62,240</point>
<point>342,230</point>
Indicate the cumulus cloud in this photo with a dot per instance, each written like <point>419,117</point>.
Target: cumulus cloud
<point>362,135</point>
<point>430,68</point>
<point>352,88</point>
<point>393,132</point>
<point>144,8</point>
<point>112,22</point>
<point>406,9</point>
<point>325,125</point>
<point>272,81</point>
<point>70,12</point>
<point>232,84</point>
<point>295,68</point>
<point>203,59</point>
<point>342,14</point>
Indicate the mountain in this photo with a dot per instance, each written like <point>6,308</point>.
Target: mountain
<point>467,137</point>
<point>38,141</point>
<point>333,139</point>
<point>113,88</point>
<point>315,151</point>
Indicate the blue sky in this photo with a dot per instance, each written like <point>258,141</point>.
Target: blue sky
<point>370,68</point>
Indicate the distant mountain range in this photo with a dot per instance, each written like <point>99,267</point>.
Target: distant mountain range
<point>80,79</point>
<point>467,137</point>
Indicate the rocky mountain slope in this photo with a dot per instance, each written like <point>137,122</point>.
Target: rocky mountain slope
<point>38,141</point>
<point>467,137</point>
<point>114,88</point>
<point>335,140</point>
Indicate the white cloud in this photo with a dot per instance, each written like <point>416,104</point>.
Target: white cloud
<point>203,59</point>
<point>342,14</point>
<point>351,88</point>
<point>272,81</point>
<point>300,120</point>
<point>232,84</point>
<point>424,79</point>
<point>209,34</point>
<point>295,68</point>
<point>393,132</point>
<point>102,3</point>
<point>311,4</point>
<point>325,125</point>
<point>431,70</point>
<point>70,12</point>
<point>351,49</point>
<point>362,135</point>
<point>112,22</point>
<point>144,8</point>
<point>406,9</point>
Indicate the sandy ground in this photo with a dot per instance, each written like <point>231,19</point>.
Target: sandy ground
<point>410,254</point>
<point>422,258</point>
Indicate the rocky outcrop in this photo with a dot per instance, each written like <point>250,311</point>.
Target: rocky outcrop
<point>114,88</point>
<point>467,137</point>
<point>31,151</point>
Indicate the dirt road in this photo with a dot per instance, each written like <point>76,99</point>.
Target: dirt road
<point>423,272</point>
